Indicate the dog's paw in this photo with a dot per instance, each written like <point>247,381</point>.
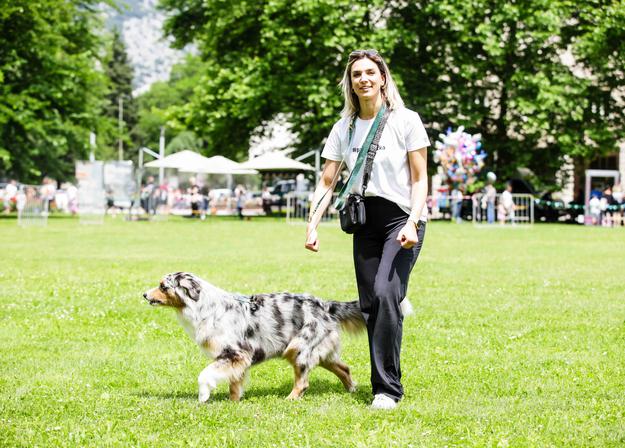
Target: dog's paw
<point>204,395</point>
<point>351,389</point>
<point>294,396</point>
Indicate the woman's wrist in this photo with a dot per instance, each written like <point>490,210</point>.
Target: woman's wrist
<point>414,221</point>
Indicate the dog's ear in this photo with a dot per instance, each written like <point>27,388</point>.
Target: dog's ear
<point>188,284</point>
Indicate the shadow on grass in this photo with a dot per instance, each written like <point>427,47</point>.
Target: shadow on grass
<point>318,387</point>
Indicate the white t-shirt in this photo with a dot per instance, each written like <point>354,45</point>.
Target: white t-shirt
<point>595,206</point>
<point>507,201</point>
<point>390,176</point>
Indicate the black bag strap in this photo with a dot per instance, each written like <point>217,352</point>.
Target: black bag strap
<point>373,149</point>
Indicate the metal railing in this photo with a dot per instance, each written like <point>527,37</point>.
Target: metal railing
<point>298,208</point>
<point>496,211</point>
<point>32,206</point>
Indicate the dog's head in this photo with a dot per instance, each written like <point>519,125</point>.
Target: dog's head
<point>178,290</point>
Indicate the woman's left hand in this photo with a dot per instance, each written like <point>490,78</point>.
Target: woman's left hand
<point>407,236</point>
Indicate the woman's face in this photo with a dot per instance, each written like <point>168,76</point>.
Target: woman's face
<point>366,79</point>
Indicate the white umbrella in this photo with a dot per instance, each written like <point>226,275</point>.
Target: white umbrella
<point>184,161</point>
<point>275,161</point>
<point>219,165</point>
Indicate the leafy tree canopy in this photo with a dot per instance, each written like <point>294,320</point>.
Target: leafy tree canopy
<point>119,72</point>
<point>538,79</point>
<point>160,105</point>
<point>50,90</point>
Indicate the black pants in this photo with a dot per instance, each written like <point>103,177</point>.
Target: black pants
<point>382,271</point>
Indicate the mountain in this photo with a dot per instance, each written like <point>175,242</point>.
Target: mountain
<point>141,26</point>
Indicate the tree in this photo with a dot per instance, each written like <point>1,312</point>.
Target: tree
<point>494,66</point>
<point>597,34</point>
<point>50,91</point>
<point>120,74</point>
<point>267,57</point>
<point>160,104</point>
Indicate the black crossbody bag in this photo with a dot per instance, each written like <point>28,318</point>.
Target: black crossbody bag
<point>353,215</point>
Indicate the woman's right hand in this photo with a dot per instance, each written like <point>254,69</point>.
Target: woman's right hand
<point>312,241</point>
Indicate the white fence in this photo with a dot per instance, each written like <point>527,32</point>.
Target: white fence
<point>518,209</point>
<point>298,208</point>
<point>32,206</point>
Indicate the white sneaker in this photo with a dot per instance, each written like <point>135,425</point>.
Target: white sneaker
<point>381,401</point>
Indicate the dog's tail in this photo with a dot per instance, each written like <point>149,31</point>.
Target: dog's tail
<point>351,318</point>
<point>349,315</point>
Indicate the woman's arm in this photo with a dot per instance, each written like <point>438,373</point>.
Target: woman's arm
<point>321,199</point>
<point>417,161</point>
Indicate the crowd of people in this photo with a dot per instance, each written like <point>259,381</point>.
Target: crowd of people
<point>194,199</point>
<point>490,206</point>
<point>49,196</point>
<point>607,207</point>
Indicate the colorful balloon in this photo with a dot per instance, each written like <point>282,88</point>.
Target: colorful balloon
<point>460,156</point>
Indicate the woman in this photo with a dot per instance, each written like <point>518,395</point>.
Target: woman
<point>387,247</point>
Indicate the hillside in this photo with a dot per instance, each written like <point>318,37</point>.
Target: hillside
<point>149,52</point>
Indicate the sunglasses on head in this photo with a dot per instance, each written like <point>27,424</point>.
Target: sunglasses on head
<point>363,53</point>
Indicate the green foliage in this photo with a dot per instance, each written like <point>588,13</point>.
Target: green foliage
<point>160,105</point>
<point>119,73</point>
<point>493,66</point>
<point>50,91</point>
<point>266,57</point>
<point>598,34</point>
<point>183,141</point>
<point>516,341</point>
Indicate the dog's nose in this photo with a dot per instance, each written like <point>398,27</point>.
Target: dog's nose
<point>145,295</point>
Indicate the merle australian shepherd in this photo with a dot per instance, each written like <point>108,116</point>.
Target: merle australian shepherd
<point>239,331</point>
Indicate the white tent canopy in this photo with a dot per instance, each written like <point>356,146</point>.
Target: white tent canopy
<point>220,165</point>
<point>184,160</point>
<point>275,161</point>
<point>192,162</point>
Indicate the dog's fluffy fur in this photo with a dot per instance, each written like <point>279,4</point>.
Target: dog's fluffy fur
<point>239,331</point>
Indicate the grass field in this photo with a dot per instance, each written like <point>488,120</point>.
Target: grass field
<point>518,338</point>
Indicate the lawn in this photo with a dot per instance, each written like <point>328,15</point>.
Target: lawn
<point>518,338</point>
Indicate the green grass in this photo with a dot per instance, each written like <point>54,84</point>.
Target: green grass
<point>518,338</point>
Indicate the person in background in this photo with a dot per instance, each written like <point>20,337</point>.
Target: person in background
<point>490,197</point>
<point>205,195</point>
<point>10,195</point>
<point>195,197</point>
<point>146,195</point>
<point>507,205</point>
<point>594,208</point>
<point>457,196</point>
<point>240,196</point>
<point>48,193</point>
<point>266,198</point>
<point>617,195</point>
<point>607,205</point>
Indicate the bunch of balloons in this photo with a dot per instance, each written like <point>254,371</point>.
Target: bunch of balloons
<point>460,156</point>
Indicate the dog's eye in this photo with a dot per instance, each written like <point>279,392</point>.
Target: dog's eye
<point>162,287</point>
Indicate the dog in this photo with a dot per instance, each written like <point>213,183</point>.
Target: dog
<point>239,331</point>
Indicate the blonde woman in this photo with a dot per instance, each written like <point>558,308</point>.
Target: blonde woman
<point>386,248</point>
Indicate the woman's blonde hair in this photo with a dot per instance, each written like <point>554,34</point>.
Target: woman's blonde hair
<point>389,91</point>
